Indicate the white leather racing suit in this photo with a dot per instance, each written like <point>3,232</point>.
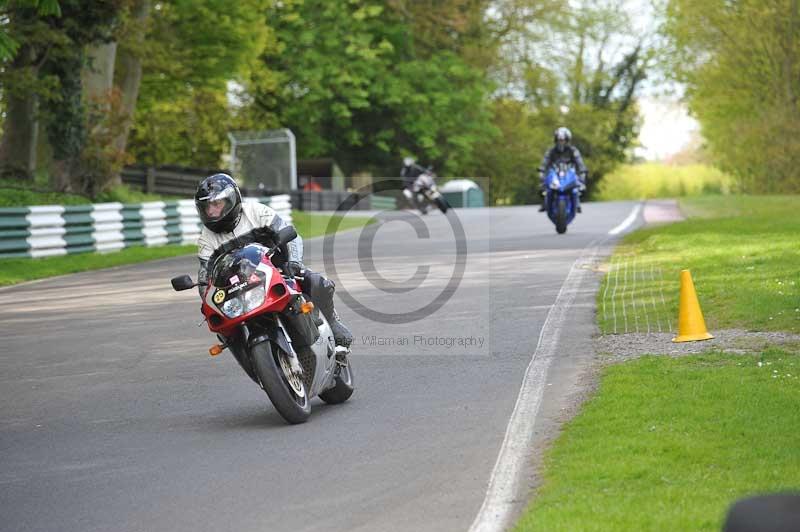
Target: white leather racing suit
<point>254,215</point>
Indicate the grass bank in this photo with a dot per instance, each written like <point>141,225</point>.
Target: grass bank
<point>655,180</point>
<point>743,253</point>
<point>13,271</point>
<point>668,444</point>
<point>22,194</point>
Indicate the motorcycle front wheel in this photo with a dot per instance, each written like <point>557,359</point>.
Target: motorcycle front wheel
<point>442,204</point>
<point>286,390</point>
<point>561,216</point>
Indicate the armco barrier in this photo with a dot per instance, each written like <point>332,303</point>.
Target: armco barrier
<point>49,230</point>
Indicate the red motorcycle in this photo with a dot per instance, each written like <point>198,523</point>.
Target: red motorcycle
<point>278,337</point>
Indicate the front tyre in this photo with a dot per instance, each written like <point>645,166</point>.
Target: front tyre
<point>442,204</point>
<point>343,388</point>
<point>285,389</point>
<point>561,216</point>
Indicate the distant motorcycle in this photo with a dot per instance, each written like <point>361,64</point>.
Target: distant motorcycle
<point>562,195</point>
<point>424,192</point>
<point>280,340</point>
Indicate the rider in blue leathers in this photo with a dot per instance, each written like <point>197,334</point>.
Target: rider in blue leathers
<point>562,152</point>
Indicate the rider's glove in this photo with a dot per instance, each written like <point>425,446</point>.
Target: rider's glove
<point>202,277</point>
<point>294,268</point>
<point>264,235</point>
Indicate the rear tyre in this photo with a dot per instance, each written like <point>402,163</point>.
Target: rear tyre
<point>442,204</point>
<point>561,216</point>
<point>286,390</point>
<point>343,388</point>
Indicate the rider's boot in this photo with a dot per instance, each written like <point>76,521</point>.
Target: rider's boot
<point>578,198</point>
<point>341,334</point>
<point>321,291</point>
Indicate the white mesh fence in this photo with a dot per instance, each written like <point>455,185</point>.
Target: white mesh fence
<point>264,161</point>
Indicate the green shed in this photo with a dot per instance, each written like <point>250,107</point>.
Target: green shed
<point>462,193</point>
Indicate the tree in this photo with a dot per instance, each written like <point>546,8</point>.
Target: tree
<point>511,158</point>
<point>351,80</point>
<point>9,45</point>
<point>43,87</point>
<point>576,68</point>
<point>739,61</point>
<point>192,50</point>
<point>83,24</point>
<point>26,39</point>
<point>128,66</point>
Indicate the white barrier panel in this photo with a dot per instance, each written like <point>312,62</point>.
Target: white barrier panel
<point>49,230</point>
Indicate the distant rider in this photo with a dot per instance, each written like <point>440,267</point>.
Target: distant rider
<point>225,217</point>
<point>562,152</point>
<point>410,172</point>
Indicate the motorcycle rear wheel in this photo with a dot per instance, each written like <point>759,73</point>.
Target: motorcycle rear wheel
<point>287,392</point>
<point>561,216</point>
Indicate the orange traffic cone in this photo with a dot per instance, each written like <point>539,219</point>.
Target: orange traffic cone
<point>691,325</point>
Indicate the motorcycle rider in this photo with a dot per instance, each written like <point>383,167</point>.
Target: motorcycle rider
<point>225,216</point>
<point>562,152</point>
<point>410,172</point>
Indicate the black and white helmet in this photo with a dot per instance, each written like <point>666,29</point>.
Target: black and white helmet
<point>219,203</point>
<point>562,138</point>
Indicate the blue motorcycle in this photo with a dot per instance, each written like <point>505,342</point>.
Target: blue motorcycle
<point>562,195</point>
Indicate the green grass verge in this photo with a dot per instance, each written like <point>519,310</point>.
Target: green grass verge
<point>13,271</point>
<point>310,225</point>
<point>656,180</point>
<point>743,253</point>
<point>669,444</point>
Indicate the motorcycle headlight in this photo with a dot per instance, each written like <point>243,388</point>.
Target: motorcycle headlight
<point>555,183</point>
<point>254,298</point>
<point>233,308</point>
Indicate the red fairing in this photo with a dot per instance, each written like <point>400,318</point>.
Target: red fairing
<point>272,303</point>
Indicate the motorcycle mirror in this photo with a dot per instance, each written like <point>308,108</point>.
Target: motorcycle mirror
<point>286,235</point>
<point>182,282</point>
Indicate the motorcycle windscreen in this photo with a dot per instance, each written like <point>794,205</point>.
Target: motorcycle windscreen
<point>237,266</point>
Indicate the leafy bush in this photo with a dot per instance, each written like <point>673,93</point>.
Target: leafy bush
<point>23,194</point>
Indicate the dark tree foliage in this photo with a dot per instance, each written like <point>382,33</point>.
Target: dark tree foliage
<point>473,87</point>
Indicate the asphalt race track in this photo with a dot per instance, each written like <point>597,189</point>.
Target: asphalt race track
<point>114,418</point>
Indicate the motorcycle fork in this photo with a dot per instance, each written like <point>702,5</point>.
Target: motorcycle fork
<point>271,330</point>
<point>238,347</point>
